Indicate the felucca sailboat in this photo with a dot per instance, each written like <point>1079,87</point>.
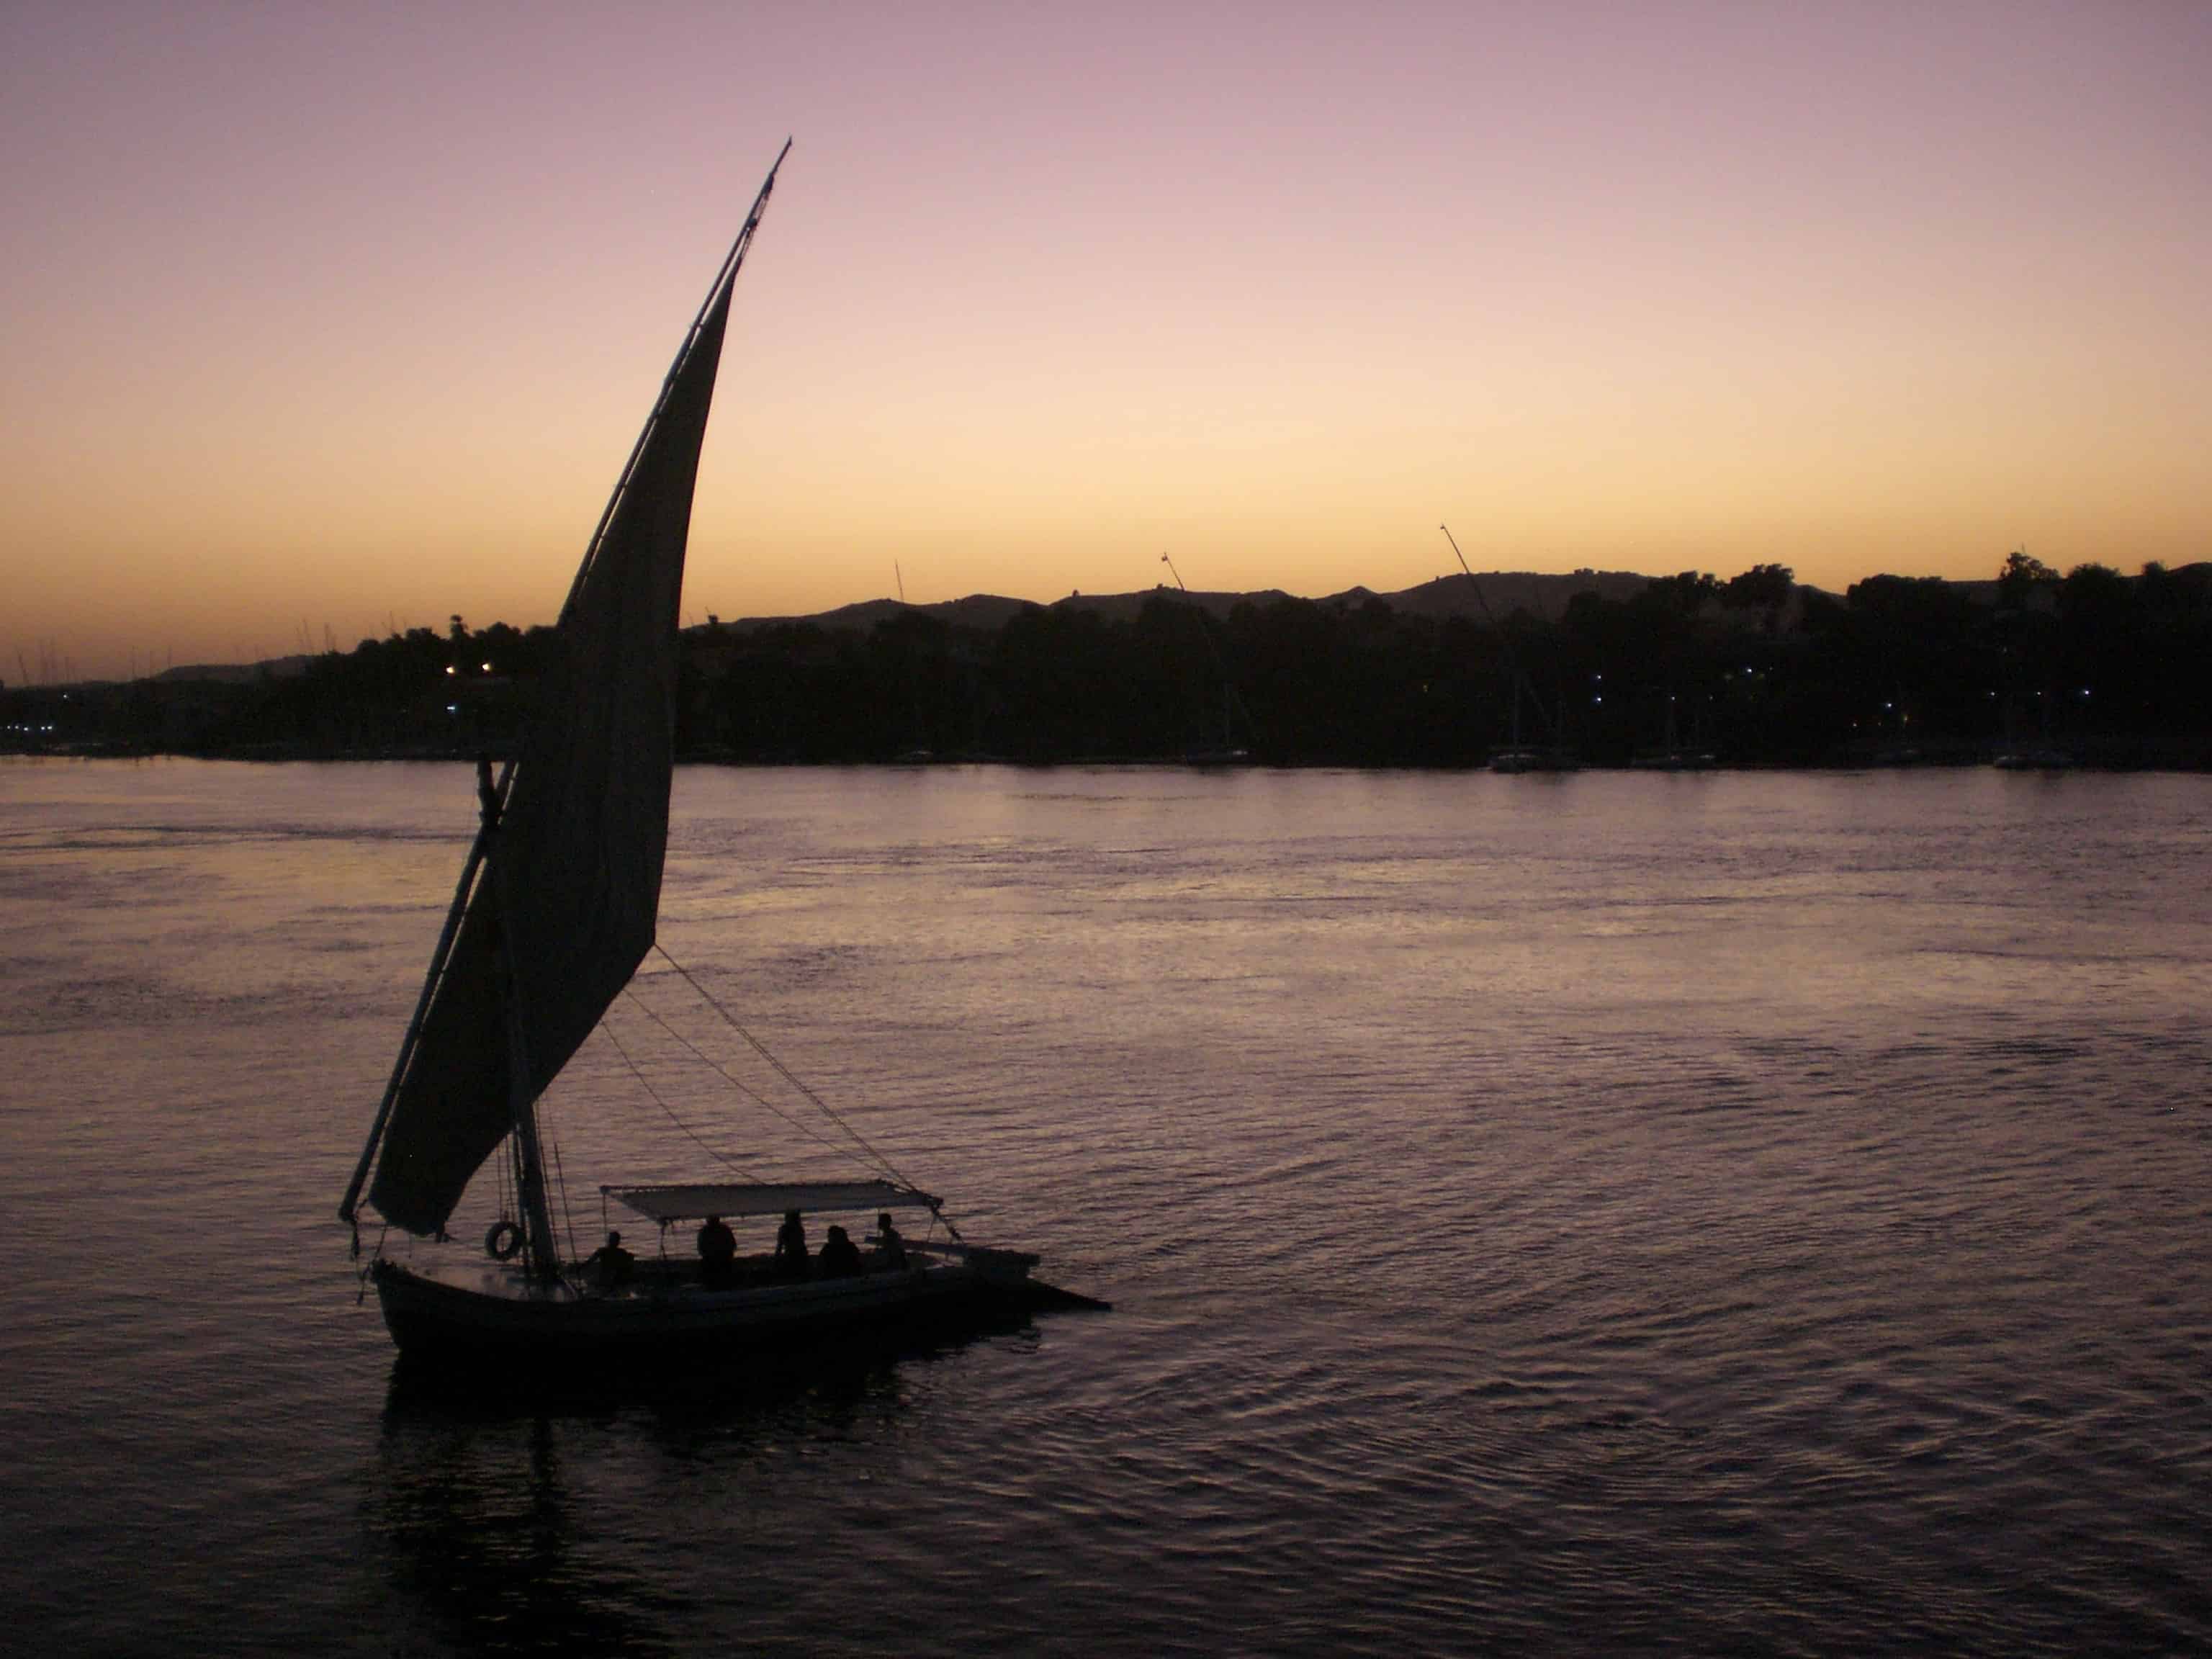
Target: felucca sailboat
<point>554,912</point>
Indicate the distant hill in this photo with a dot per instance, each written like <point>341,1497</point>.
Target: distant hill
<point>1541,596</point>
<point>983,610</point>
<point>1509,591</point>
<point>236,673</point>
<point>1544,596</point>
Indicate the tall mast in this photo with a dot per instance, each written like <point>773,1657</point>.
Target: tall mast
<point>731,262</point>
<point>440,1113</point>
<point>1231,704</point>
<point>541,1245</point>
<point>1512,661</point>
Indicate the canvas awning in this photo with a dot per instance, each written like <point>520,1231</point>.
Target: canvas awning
<point>667,1204</point>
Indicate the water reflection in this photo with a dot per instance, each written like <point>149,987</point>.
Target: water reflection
<point>706,1395</point>
<point>1783,1225</point>
<point>593,1512</point>
<point>488,1542</point>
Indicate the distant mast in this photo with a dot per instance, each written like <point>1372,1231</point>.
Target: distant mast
<point>1505,641</point>
<point>1231,704</point>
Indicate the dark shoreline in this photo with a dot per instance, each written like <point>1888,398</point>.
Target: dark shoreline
<point>2176,757</point>
<point>2095,670</point>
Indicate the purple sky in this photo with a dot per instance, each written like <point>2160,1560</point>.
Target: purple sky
<point>342,321</point>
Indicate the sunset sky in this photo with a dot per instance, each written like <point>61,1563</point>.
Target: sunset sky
<point>346,316</point>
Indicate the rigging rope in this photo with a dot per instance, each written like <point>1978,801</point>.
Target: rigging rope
<point>364,1275</point>
<point>781,1069</point>
<point>737,1083</point>
<point>720,1157</point>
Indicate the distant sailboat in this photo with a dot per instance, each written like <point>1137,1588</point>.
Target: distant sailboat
<point>1230,751</point>
<point>2043,754</point>
<point>556,910</point>
<point>1516,757</point>
<point>1673,756</point>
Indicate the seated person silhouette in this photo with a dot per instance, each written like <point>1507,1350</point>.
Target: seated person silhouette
<point>841,1257</point>
<point>791,1257</point>
<point>718,1253</point>
<point>611,1264</point>
<point>891,1249</point>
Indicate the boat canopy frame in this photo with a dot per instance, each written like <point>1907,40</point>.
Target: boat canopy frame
<point>668,1205</point>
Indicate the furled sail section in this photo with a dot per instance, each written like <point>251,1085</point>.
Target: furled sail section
<point>573,875</point>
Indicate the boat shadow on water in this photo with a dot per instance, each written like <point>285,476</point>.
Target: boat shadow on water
<point>489,1490</point>
<point>489,1545</point>
<point>720,1386</point>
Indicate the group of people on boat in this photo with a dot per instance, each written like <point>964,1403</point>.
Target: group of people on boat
<point>839,1257</point>
<point>611,1268</point>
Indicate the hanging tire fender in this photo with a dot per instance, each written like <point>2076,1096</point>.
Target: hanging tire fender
<point>504,1239</point>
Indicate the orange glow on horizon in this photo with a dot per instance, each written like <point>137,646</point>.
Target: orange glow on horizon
<point>363,339</point>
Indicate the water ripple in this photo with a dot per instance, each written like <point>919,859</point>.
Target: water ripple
<point>1538,1222</point>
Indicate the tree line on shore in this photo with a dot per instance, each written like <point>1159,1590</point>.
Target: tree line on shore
<point>1756,669</point>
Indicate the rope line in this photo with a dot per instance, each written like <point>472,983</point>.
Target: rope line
<point>719,1157</point>
<point>737,1083</point>
<point>781,1069</point>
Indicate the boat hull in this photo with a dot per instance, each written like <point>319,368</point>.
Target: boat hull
<point>431,1318</point>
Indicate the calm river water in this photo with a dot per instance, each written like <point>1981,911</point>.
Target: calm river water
<point>1749,1213</point>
